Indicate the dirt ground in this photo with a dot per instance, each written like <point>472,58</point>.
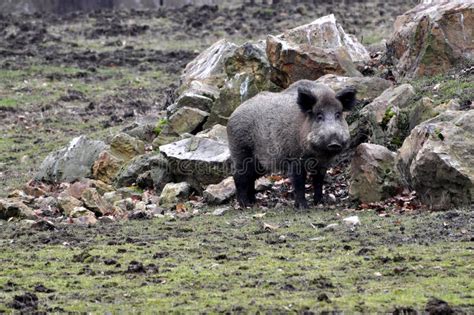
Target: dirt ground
<point>94,74</point>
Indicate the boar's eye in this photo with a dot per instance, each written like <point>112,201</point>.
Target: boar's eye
<point>338,115</point>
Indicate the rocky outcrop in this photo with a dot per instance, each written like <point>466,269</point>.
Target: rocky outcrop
<point>433,38</point>
<point>373,175</point>
<point>313,50</point>
<point>437,160</point>
<point>71,163</point>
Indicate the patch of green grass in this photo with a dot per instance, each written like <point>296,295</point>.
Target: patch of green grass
<point>447,88</point>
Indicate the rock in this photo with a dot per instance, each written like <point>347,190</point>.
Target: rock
<point>220,211</point>
<point>437,160</point>
<point>11,208</point>
<point>106,167</point>
<point>81,215</point>
<point>198,95</point>
<point>68,203</point>
<point>123,148</point>
<point>248,73</point>
<point>155,164</point>
<point>94,202</point>
<point>173,193</point>
<point>77,212</point>
<point>433,38</point>
<point>21,195</point>
<point>391,99</point>
<point>71,163</point>
<point>126,204</point>
<point>208,67</point>
<point>199,161</point>
<point>263,184</point>
<point>313,50</point>
<point>144,128</point>
<point>368,88</point>
<point>186,120</point>
<point>351,221</point>
<point>217,133</point>
<point>380,121</point>
<point>126,147</point>
<point>373,175</point>
<point>220,193</point>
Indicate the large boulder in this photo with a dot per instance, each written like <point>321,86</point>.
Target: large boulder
<point>313,50</point>
<point>208,67</point>
<point>248,72</point>
<point>373,175</point>
<point>437,160</point>
<point>198,161</point>
<point>72,162</point>
<point>432,38</point>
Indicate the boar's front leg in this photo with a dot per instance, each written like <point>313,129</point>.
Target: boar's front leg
<point>244,177</point>
<point>318,181</point>
<point>298,178</point>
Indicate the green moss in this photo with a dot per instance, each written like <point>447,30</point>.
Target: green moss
<point>389,113</point>
<point>159,126</point>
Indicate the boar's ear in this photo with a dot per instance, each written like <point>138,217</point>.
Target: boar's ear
<point>306,99</point>
<point>347,97</point>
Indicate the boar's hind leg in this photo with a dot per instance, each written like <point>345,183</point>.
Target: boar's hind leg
<point>298,179</point>
<point>318,181</point>
<point>244,177</point>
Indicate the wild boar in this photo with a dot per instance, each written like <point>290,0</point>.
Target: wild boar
<point>296,132</point>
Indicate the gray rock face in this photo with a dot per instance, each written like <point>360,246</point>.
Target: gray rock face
<point>71,163</point>
<point>373,176</point>
<point>220,193</point>
<point>313,50</point>
<point>199,161</point>
<point>437,160</point>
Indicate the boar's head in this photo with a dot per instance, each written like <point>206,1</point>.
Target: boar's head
<point>324,130</point>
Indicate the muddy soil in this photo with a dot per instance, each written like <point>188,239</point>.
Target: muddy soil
<point>278,260</point>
